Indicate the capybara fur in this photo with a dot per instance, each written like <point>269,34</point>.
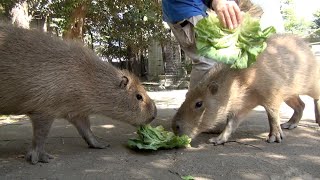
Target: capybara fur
<point>47,78</point>
<point>286,69</point>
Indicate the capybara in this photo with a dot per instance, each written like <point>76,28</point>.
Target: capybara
<point>286,69</point>
<point>47,78</point>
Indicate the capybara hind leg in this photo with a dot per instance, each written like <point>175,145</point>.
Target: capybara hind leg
<point>298,106</point>
<point>276,134</point>
<point>41,125</point>
<point>83,127</point>
<point>317,110</point>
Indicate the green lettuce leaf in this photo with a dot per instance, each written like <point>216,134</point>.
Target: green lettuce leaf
<point>238,47</point>
<point>154,138</point>
<point>187,178</point>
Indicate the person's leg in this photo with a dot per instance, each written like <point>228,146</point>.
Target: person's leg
<point>185,35</point>
<point>199,70</point>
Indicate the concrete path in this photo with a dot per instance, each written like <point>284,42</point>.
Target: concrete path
<point>248,156</point>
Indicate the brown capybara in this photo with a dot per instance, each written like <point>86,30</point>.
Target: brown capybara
<point>286,69</point>
<point>47,78</point>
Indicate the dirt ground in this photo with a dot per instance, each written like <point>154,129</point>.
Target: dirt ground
<point>247,156</point>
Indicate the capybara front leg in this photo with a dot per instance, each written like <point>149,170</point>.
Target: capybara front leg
<point>83,127</point>
<point>317,110</point>
<point>276,134</point>
<point>41,125</point>
<point>232,124</point>
<point>298,106</point>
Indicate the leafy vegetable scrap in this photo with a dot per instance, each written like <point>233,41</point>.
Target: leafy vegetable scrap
<point>150,138</point>
<point>187,178</point>
<point>238,47</point>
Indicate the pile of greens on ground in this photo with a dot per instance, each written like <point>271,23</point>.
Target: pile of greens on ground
<point>150,138</point>
<point>238,47</point>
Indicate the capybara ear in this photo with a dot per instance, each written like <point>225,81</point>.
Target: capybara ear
<point>213,87</point>
<point>124,82</point>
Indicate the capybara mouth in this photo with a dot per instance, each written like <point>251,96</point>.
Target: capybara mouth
<point>151,119</point>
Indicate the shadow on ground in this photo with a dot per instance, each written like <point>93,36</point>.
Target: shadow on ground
<point>247,156</point>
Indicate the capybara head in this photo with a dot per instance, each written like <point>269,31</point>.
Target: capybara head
<point>125,100</point>
<point>203,109</point>
<point>140,108</point>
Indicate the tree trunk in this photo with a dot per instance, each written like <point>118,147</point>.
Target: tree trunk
<point>90,43</point>
<point>77,18</point>
<point>19,15</point>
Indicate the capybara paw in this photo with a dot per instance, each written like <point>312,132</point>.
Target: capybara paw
<point>275,137</point>
<point>34,156</point>
<point>289,125</point>
<point>217,140</point>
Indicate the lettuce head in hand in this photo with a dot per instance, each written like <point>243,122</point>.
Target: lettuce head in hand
<point>150,138</point>
<point>238,47</point>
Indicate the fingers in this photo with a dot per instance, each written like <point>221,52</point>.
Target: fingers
<point>222,18</point>
<point>231,18</point>
<point>228,13</point>
<point>238,14</point>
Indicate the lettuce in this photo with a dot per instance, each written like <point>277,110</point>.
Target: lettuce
<point>150,138</point>
<point>187,178</point>
<point>238,47</point>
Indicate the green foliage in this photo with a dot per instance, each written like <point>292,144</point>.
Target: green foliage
<point>292,23</point>
<point>6,6</point>
<point>316,21</point>
<point>239,47</point>
<point>62,9</point>
<point>316,25</point>
<point>187,177</point>
<point>2,10</point>
<point>124,26</point>
<point>154,138</point>
<point>119,29</point>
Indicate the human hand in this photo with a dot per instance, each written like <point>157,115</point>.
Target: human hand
<point>228,13</point>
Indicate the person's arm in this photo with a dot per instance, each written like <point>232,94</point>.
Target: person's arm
<point>228,12</point>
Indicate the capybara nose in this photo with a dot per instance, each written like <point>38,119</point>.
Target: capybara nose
<point>176,128</point>
<point>151,119</point>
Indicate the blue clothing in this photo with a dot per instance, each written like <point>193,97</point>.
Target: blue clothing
<point>178,10</point>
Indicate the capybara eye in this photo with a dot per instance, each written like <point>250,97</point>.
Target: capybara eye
<point>139,97</point>
<point>199,104</point>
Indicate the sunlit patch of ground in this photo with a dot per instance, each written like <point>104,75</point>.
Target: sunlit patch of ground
<point>4,120</point>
